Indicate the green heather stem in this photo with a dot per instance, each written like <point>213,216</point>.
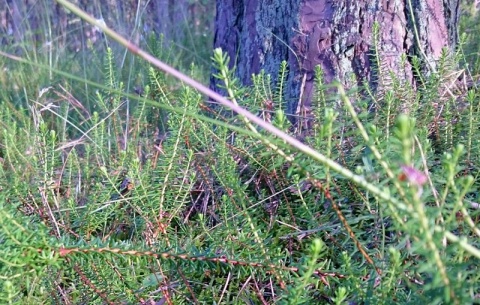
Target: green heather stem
<point>359,180</point>
<point>346,101</point>
<point>221,60</point>
<point>462,242</point>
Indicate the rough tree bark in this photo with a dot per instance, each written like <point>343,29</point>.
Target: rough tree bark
<point>337,35</point>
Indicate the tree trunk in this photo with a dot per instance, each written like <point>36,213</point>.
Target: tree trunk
<point>337,35</point>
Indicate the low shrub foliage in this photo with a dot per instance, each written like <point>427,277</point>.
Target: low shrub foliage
<point>151,194</point>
